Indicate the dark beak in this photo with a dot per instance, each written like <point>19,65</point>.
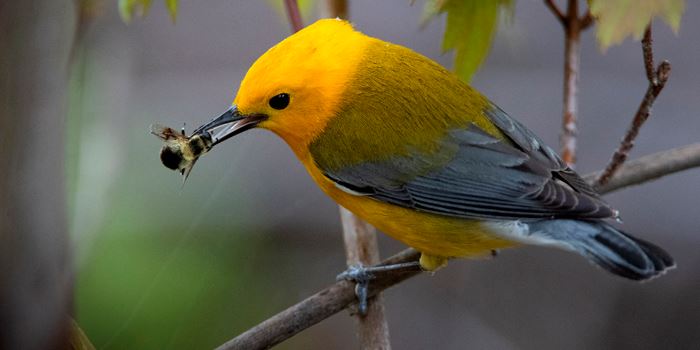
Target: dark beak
<point>229,124</point>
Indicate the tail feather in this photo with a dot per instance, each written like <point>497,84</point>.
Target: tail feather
<point>661,259</point>
<point>603,244</point>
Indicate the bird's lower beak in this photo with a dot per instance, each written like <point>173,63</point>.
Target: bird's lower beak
<point>227,125</point>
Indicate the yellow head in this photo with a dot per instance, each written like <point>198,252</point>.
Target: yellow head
<point>310,69</point>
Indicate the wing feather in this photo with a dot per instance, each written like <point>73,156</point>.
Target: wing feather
<point>485,178</point>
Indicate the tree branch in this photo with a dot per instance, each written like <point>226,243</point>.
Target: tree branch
<point>572,55</point>
<point>316,308</point>
<point>657,80</point>
<point>573,26</point>
<point>340,295</point>
<point>650,167</point>
<point>294,15</point>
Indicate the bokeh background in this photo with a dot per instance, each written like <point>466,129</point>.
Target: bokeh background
<point>166,266</point>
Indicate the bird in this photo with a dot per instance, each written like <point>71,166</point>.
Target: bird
<point>404,144</point>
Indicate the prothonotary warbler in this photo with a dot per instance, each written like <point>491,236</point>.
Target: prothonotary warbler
<point>404,144</point>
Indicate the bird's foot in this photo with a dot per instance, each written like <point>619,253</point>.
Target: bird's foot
<point>363,275</point>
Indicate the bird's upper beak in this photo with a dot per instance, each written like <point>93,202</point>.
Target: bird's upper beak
<point>229,124</point>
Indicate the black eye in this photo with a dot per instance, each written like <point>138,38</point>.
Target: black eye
<point>280,101</point>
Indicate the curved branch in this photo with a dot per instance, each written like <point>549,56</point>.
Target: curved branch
<point>340,295</point>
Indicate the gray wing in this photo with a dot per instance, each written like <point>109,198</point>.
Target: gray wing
<point>481,178</point>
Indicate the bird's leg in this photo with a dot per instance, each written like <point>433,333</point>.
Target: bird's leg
<point>362,275</point>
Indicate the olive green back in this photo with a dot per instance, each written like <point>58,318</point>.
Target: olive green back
<point>399,102</point>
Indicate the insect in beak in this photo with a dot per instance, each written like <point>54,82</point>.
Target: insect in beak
<point>229,124</point>
<point>180,152</point>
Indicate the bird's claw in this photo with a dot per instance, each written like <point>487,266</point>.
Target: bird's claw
<point>361,276</point>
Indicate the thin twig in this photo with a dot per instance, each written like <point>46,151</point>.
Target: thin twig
<point>338,9</point>
<point>572,53</point>
<point>573,26</point>
<point>648,55</point>
<point>556,11</point>
<point>294,15</point>
<point>341,294</point>
<point>657,80</point>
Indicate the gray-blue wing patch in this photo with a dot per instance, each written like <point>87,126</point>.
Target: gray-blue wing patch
<point>484,178</point>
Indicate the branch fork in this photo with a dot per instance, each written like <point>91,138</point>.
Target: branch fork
<point>657,78</point>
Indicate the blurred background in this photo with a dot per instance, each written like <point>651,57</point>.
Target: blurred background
<point>160,265</point>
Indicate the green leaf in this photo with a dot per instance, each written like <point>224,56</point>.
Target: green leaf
<point>172,9</point>
<point>471,25</point>
<point>125,7</point>
<point>431,9</point>
<point>130,8</point>
<point>618,19</point>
